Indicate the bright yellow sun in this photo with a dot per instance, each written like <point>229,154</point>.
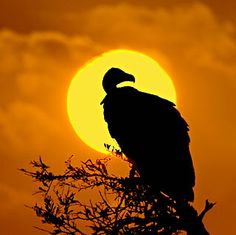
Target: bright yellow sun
<point>85,92</point>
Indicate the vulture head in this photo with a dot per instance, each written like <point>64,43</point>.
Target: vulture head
<point>113,77</point>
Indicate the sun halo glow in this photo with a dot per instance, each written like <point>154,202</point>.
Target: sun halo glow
<point>85,92</point>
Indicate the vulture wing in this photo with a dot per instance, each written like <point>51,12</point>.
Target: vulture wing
<point>151,132</point>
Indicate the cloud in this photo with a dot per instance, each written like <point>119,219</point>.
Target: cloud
<point>35,72</point>
<point>34,68</point>
<point>194,46</point>
<point>194,31</point>
<point>26,125</point>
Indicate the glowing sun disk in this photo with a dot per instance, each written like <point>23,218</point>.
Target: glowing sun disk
<point>85,92</point>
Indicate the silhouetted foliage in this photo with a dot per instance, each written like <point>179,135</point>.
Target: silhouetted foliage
<point>123,205</point>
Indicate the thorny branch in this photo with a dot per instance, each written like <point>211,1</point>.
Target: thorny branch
<point>123,205</point>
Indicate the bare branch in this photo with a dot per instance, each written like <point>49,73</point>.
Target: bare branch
<point>126,205</point>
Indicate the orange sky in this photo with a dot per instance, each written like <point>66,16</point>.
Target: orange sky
<point>43,43</point>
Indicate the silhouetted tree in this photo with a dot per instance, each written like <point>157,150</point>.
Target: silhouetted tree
<point>124,205</point>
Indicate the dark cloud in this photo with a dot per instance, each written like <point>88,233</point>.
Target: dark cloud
<point>26,16</point>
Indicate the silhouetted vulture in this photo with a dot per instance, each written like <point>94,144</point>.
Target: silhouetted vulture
<point>151,132</point>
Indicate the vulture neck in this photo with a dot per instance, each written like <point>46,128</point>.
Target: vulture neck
<point>115,89</point>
